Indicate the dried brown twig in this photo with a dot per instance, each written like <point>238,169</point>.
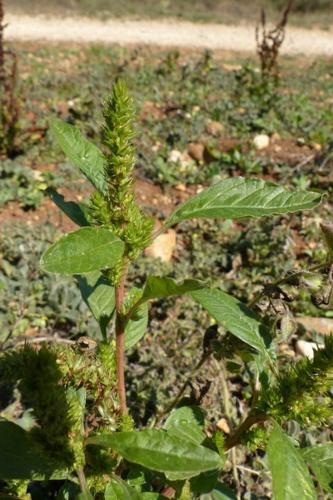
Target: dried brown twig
<point>269,42</point>
<point>9,108</point>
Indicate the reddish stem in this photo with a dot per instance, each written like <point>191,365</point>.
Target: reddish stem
<point>120,346</point>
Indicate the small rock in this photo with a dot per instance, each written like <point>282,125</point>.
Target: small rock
<point>222,424</point>
<point>196,151</point>
<point>261,141</point>
<point>71,103</point>
<point>151,110</point>
<point>277,148</point>
<point>275,137</point>
<point>317,147</point>
<point>214,128</point>
<point>181,187</point>
<point>169,492</point>
<point>38,175</point>
<point>174,156</point>
<point>306,349</point>
<point>231,67</point>
<point>163,246</point>
<point>63,107</point>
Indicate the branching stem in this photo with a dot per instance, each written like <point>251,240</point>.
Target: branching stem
<point>236,438</point>
<point>286,279</point>
<point>181,391</point>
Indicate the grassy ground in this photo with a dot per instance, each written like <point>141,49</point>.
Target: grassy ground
<point>183,99</point>
<point>307,13</point>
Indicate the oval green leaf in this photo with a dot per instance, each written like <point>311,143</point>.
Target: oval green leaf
<point>136,326</point>
<point>99,295</point>
<point>186,423</point>
<point>155,449</point>
<point>291,477</point>
<point>320,459</point>
<point>159,287</point>
<point>234,316</point>
<point>117,489</point>
<point>220,492</point>
<point>88,249</point>
<point>81,152</point>
<point>237,198</point>
<point>77,212</point>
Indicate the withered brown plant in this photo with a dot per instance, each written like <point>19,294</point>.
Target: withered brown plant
<point>9,108</point>
<point>269,41</point>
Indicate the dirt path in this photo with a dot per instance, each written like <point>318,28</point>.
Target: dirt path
<point>160,33</point>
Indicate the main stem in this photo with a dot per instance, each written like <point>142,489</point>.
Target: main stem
<point>83,483</point>
<point>120,345</point>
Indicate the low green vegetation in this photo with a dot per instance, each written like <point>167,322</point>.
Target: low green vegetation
<point>197,118</point>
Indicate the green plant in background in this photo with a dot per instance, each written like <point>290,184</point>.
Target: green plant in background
<point>92,442</point>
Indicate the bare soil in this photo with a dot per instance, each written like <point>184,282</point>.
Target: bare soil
<point>171,33</point>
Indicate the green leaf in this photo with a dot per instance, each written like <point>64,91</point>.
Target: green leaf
<point>88,249</point>
<point>220,492</point>
<point>85,495</point>
<point>157,287</point>
<point>136,326</point>
<point>68,491</point>
<point>320,459</point>
<point>238,197</point>
<point>234,316</point>
<point>186,423</point>
<point>19,457</point>
<point>117,489</point>
<point>155,449</point>
<point>99,295</point>
<point>75,211</point>
<point>81,152</point>
<point>291,477</point>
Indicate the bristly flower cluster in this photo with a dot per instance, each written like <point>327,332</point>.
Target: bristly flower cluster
<point>118,208</point>
<point>302,393</point>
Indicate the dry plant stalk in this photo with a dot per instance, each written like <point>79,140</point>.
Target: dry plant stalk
<point>269,42</point>
<point>2,56</point>
<point>9,108</point>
